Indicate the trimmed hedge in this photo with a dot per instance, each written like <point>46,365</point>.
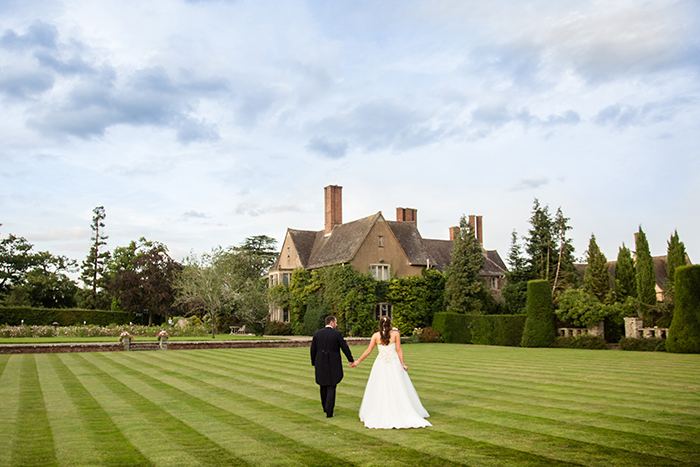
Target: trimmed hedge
<point>650,344</point>
<point>684,332</point>
<point>13,316</point>
<point>539,325</point>
<point>504,330</point>
<point>580,342</point>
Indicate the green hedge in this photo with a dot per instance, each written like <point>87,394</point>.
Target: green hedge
<point>650,344</point>
<point>580,342</point>
<point>684,332</point>
<point>13,316</point>
<point>539,325</point>
<point>480,329</point>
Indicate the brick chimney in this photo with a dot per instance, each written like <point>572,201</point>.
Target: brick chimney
<point>475,222</point>
<point>407,215</point>
<point>453,232</point>
<point>334,206</point>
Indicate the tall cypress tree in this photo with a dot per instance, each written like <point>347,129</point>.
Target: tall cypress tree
<point>646,278</point>
<point>596,278</point>
<point>676,256</point>
<point>684,332</point>
<point>625,276</point>
<point>462,285</point>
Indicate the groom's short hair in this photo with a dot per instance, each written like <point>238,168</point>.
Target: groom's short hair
<point>330,319</point>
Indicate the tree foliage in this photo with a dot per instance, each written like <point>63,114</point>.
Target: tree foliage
<point>676,257</point>
<point>93,268</point>
<point>596,278</point>
<point>147,284</point>
<point>462,285</point>
<point>646,278</point>
<point>224,283</point>
<point>625,275</point>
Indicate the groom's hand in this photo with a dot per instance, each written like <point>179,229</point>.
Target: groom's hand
<point>353,364</point>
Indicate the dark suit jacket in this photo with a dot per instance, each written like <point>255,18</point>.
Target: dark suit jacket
<point>325,356</point>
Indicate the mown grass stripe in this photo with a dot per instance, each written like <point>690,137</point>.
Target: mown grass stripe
<point>189,441</point>
<point>643,445</point>
<point>35,445</point>
<point>260,402</point>
<point>479,446</point>
<point>9,406</point>
<point>282,445</point>
<point>111,447</point>
<point>586,443</point>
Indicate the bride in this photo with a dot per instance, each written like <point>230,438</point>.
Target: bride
<point>390,401</point>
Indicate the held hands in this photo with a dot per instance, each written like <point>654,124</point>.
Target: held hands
<point>353,364</point>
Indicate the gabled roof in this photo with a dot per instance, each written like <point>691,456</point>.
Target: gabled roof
<point>411,242</point>
<point>341,244</point>
<point>315,249</point>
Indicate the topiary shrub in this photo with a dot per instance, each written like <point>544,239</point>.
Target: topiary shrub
<point>684,332</point>
<point>539,324</point>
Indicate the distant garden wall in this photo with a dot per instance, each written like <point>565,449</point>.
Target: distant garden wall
<point>14,316</point>
<point>480,329</point>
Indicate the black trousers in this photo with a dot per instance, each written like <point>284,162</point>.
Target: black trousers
<point>328,399</point>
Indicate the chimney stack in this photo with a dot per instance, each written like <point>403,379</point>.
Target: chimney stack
<point>453,232</point>
<point>476,223</point>
<point>407,215</point>
<point>334,206</point>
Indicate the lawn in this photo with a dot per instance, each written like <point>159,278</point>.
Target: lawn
<point>490,406</point>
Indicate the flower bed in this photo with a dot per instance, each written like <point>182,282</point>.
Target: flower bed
<point>102,331</point>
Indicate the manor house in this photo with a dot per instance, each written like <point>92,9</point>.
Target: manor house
<point>373,244</point>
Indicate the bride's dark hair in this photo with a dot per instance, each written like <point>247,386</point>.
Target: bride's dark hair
<point>385,330</point>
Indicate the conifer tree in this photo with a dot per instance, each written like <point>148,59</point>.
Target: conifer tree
<point>684,332</point>
<point>676,256</point>
<point>625,276</point>
<point>540,245</point>
<point>565,272</point>
<point>462,285</point>
<point>646,278</point>
<point>515,291</point>
<point>596,278</point>
<point>93,268</point>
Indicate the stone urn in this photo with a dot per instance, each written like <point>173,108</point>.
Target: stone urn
<point>163,342</point>
<point>126,342</point>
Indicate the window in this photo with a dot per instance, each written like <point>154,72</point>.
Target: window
<point>383,309</point>
<point>286,277</point>
<point>493,282</point>
<point>285,315</point>
<point>380,272</point>
<point>381,241</point>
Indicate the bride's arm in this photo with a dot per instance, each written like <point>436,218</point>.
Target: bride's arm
<point>372,343</point>
<point>399,351</point>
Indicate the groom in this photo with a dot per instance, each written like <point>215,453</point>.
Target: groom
<point>325,357</point>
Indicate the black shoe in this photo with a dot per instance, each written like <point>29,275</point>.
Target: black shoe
<point>330,416</point>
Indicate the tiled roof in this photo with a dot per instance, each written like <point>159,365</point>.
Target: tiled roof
<point>410,240</point>
<point>315,249</point>
<point>342,243</point>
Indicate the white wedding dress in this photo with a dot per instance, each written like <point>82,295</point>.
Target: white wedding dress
<point>390,401</point>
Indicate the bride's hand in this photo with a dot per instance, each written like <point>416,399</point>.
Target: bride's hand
<point>405,367</point>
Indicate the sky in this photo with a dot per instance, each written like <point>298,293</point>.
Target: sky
<point>198,123</point>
